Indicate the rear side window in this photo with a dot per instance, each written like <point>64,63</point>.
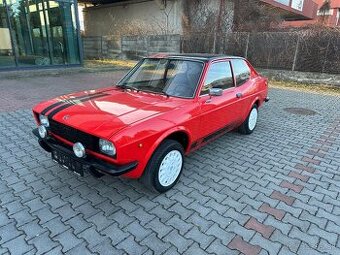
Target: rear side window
<point>241,71</point>
<point>219,76</point>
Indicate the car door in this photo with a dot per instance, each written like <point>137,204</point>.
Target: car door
<point>219,113</point>
<point>245,87</point>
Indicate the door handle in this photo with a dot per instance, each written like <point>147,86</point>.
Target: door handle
<point>239,95</point>
<point>208,101</point>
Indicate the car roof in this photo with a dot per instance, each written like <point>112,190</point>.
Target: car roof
<point>193,56</point>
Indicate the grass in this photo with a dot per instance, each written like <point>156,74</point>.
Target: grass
<point>114,63</point>
<point>312,88</point>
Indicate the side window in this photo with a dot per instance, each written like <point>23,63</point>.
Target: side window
<point>241,71</point>
<point>219,76</point>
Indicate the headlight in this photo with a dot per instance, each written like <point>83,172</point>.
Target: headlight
<point>107,147</point>
<point>42,131</point>
<point>79,150</point>
<point>44,120</point>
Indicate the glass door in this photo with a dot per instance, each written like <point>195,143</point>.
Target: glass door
<point>63,33</point>
<point>29,28</point>
<point>6,48</point>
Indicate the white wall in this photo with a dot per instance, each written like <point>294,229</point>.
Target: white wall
<point>141,16</point>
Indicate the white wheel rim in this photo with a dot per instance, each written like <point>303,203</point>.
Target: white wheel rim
<point>170,168</point>
<point>252,119</point>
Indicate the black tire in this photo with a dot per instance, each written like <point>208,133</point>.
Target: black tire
<point>150,176</point>
<point>244,128</point>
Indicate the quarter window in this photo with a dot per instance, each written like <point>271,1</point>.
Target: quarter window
<point>241,71</point>
<point>219,76</point>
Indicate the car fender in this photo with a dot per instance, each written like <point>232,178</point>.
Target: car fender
<point>163,137</point>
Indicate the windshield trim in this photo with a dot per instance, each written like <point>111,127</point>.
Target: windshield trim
<point>169,59</point>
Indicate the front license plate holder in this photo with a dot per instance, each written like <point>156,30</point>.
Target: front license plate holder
<point>68,162</point>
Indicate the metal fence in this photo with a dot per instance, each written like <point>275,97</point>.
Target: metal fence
<point>306,51</point>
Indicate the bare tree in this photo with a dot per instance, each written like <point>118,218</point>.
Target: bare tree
<point>252,16</point>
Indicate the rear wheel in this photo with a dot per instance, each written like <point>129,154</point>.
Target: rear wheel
<point>249,125</point>
<point>165,166</point>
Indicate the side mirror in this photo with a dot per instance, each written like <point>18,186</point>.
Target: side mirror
<point>215,92</point>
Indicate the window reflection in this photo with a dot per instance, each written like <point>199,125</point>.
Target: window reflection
<point>40,32</point>
<point>6,50</point>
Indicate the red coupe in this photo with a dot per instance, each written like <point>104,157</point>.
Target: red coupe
<point>164,108</point>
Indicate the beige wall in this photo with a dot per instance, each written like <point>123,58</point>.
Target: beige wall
<point>139,16</point>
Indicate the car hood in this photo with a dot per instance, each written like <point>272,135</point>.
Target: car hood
<point>103,113</point>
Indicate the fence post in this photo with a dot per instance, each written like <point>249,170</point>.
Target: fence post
<point>101,47</point>
<point>296,53</point>
<point>247,46</point>
<point>325,61</point>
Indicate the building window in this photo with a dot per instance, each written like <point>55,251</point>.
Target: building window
<point>40,32</point>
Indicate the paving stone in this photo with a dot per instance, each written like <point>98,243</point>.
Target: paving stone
<point>311,240</point>
<point>199,237</point>
<point>106,247</point>
<point>282,197</point>
<point>306,249</point>
<point>278,214</point>
<point>155,244</point>
<point>158,227</point>
<point>43,243</point>
<point>8,232</point>
<point>178,241</point>
<point>78,224</point>
<point>182,226</point>
<point>246,248</point>
<point>292,186</point>
<point>201,223</point>
<point>130,246</point>
<point>91,236</point>
<point>18,245</point>
<point>223,235</point>
<point>114,233</point>
<point>264,230</point>
<point>195,249</point>
<point>328,236</point>
<point>32,229</point>
<point>268,245</point>
<point>224,185</point>
<point>138,231</point>
<point>79,249</point>
<point>68,240</point>
<point>291,243</point>
<point>325,246</point>
<point>216,247</point>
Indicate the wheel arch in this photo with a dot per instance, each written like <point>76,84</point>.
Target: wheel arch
<point>180,134</point>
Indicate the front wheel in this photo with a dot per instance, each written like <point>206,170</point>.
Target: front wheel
<point>165,166</point>
<point>248,126</point>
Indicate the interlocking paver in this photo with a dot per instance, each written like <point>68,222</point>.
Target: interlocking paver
<point>282,170</point>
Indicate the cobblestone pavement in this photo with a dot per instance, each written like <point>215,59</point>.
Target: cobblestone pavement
<point>273,192</point>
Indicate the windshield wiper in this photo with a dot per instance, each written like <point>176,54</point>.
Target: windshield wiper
<point>124,86</point>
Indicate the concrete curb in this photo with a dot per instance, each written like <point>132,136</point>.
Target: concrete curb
<point>302,77</point>
<point>19,74</point>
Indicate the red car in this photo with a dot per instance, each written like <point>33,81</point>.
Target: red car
<point>164,108</point>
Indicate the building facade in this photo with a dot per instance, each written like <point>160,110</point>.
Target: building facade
<point>39,33</point>
<point>328,14</point>
<point>120,17</point>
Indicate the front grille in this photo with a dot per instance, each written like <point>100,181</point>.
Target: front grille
<point>73,135</point>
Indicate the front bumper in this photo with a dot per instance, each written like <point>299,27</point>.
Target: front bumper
<point>91,163</point>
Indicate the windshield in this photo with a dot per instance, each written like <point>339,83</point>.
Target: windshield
<point>169,76</point>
